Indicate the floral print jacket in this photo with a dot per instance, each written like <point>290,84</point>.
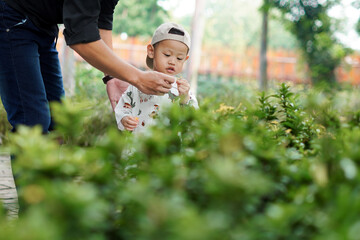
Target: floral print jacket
<point>145,107</point>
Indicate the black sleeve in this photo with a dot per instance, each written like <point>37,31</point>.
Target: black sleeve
<point>83,18</point>
<point>106,14</point>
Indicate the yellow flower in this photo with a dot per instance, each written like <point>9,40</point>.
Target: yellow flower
<point>224,108</point>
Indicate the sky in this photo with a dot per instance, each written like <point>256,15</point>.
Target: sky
<point>349,14</point>
<point>180,8</point>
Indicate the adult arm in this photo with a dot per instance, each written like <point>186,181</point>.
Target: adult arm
<point>82,20</point>
<point>114,87</point>
<point>99,55</point>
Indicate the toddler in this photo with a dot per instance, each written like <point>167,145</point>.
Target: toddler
<point>167,53</point>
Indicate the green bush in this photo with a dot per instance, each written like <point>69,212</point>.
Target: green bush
<point>4,124</point>
<point>272,169</point>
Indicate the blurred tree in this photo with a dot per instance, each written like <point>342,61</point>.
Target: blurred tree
<point>232,24</point>
<point>356,4</point>
<point>235,24</point>
<point>139,18</point>
<point>309,22</point>
<point>67,61</point>
<point>197,31</point>
<point>263,45</point>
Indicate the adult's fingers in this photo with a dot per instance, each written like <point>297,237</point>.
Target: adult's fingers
<point>166,85</point>
<point>168,79</point>
<point>155,83</point>
<point>162,90</point>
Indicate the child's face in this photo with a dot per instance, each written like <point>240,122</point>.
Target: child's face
<point>169,56</point>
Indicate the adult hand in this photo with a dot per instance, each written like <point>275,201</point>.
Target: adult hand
<point>115,88</point>
<point>156,83</point>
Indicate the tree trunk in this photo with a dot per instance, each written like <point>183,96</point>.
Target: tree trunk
<point>197,32</point>
<point>263,80</point>
<point>68,70</point>
<point>67,61</point>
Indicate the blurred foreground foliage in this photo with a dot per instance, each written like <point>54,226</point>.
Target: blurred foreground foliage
<point>281,165</point>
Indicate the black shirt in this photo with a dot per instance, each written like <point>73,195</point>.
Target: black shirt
<point>82,18</point>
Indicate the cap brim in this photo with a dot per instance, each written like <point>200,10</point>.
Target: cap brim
<point>149,62</point>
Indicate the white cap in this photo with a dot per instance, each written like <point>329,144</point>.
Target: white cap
<point>169,31</point>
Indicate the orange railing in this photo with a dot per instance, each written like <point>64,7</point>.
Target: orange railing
<point>282,65</point>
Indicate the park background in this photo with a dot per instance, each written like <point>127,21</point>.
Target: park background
<point>228,41</point>
<point>272,153</point>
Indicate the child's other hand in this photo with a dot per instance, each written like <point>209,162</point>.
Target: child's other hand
<point>184,88</point>
<point>129,122</point>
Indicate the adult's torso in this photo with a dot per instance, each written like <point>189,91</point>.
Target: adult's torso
<point>82,18</point>
<point>45,14</point>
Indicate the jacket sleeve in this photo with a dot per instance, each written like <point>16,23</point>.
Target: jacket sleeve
<point>83,18</point>
<point>124,108</point>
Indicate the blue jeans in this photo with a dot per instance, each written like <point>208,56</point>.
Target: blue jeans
<point>30,74</point>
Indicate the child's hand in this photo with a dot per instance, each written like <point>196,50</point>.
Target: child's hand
<point>129,122</point>
<point>183,87</point>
